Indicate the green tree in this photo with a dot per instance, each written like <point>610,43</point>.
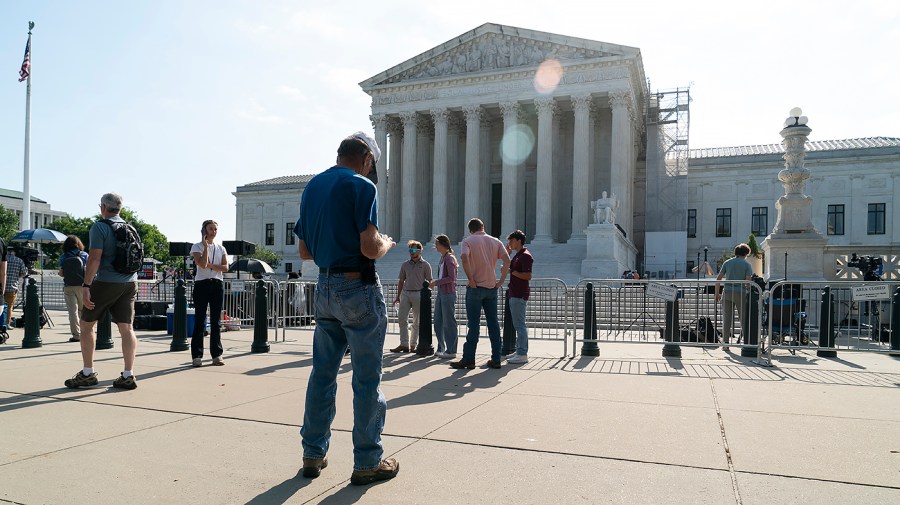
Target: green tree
<point>9,223</point>
<point>267,255</point>
<point>156,245</point>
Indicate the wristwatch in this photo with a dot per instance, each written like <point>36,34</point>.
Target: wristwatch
<point>85,285</point>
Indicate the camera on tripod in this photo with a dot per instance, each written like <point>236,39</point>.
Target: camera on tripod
<point>870,266</point>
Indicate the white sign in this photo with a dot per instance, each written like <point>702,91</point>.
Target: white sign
<point>668,293</point>
<point>871,292</point>
<point>237,287</point>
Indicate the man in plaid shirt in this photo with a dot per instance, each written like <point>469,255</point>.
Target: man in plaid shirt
<point>15,270</point>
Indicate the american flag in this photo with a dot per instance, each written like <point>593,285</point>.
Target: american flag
<point>25,71</point>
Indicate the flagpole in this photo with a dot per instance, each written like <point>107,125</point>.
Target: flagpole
<point>26,189</point>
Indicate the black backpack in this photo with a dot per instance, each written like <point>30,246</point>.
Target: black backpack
<point>129,248</point>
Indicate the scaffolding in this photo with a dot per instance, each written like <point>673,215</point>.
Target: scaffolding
<point>667,119</point>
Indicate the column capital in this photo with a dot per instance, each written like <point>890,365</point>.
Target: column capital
<point>440,115</point>
<point>473,113</point>
<point>379,121</point>
<point>582,102</point>
<point>511,110</point>
<point>545,104</point>
<point>394,126</point>
<point>408,118</point>
<point>620,99</point>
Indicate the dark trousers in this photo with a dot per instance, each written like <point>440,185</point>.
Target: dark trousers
<point>207,292</point>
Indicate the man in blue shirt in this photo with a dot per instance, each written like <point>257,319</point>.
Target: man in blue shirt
<point>104,289</point>
<point>734,269</point>
<point>338,229</point>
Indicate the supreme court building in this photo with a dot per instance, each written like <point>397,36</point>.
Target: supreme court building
<point>560,137</point>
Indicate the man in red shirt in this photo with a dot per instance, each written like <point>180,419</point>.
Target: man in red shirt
<point>519,289</point>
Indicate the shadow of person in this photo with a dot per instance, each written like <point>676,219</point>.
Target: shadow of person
<point>282,492</point>
<point>452,387</point>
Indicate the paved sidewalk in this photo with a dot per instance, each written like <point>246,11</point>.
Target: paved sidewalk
<point>627,427</point>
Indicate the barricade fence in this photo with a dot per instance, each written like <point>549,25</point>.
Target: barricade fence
<point>853,316</point>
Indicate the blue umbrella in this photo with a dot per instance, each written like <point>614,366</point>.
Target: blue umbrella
<point>39,236</point>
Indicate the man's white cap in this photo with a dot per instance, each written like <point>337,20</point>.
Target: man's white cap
<point>373,146</point>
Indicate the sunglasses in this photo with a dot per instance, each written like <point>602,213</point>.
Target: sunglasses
<point>414,249</point>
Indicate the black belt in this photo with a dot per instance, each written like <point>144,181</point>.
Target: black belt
<point>207,280</point>
<point>341,270</point>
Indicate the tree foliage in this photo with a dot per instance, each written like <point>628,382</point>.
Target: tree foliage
<point>9,223</point>
<point>156,245</point>
<point>267,255</point>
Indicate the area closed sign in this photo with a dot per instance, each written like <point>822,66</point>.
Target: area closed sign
<point>871,292</point>
<point>668,293</point>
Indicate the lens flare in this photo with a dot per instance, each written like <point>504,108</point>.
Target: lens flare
<point>547,77</point>
<point>517,144</point>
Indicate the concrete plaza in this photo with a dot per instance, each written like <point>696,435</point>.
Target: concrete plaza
<point>627,427</point>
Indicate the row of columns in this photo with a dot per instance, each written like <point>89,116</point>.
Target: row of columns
<point>398,204</point>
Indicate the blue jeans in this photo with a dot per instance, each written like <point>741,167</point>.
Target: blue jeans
<point>445,324</point>
<point>348,312</point>
<point>476,300</point>
<point>517,311</point>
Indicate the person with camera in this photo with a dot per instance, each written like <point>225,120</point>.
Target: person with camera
<point>338,229</point>
<point>211,261</point>
<point>71,269</point>
<point>15,272</point>
<point>733,298</point>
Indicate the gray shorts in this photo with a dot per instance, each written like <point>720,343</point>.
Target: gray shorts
<point>117,297</point>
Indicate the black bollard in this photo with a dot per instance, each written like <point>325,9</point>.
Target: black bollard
<point>179,319</point>
<point>826,325</point>
<point>32,317</point>
<point>751,335</point>
<point>104,333</point>
<point>425,346</point>
<point>260,319</point>
<point>509,331</point>
<point>671,332</point>
<point>589,346</point>
<point>895,324</point>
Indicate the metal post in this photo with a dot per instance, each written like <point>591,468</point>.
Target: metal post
<point>589,346</point>
<point>179,319</point>
<point>260,320</point>
<point>671,332</point>
<point>104,333</point>
<point>425,347</point>
<point>826,325</point>
<point>509,331</point>
<point>895,324</point>
<point>32,317</point>
<point>751,334</point>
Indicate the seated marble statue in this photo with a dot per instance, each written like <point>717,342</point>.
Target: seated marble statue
<point>605,209</point>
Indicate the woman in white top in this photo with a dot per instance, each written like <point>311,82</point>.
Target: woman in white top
<point>209,289</point>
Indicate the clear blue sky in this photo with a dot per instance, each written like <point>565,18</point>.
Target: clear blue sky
<point>174,104</point>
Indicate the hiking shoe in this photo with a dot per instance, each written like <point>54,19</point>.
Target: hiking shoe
<point>492,364</point>
<point>400,348</point>
<point>518,359</point>
<point>462,364</point>
<point>122,383</point>
<point>387,469</point>
<point>313,467</point>
<point>218,361</point>
<point>75,339</point>
<point>197,362</point>
<point>80,380</point>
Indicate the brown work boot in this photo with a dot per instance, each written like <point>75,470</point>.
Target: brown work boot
<point>462,364</point>
<point>493,364</point>
<point>387,469</point>
<point>400,348</point>
<point>313,467</point>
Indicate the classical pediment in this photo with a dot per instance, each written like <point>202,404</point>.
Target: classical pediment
<point>496,48</point>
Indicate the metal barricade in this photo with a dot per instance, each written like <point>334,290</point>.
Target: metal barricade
<point>673,312</point>
<point>240,301</point>
<point>831,316</point>
<point>296,307</point>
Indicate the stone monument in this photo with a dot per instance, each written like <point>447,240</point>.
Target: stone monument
<point>608,251</point>
<point>794,233</point>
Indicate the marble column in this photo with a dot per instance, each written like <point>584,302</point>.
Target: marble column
<point>486,161</point>
<point>394,181</point>
<point>379,122</point>
<point>440,193</point>
<point>621,156</point>
<point>510,174</point>
<point>581,166</point>
<point>454,182</point>
<point>408,192</point>
<point>424,176</point>
<point>473,115</point>
<point>546,106</point>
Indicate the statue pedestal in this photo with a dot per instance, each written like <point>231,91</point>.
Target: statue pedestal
<point>805,256</point>
<point>608,253</point>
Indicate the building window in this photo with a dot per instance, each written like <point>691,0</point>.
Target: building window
<point>690,266</point>
<point>692,223</point>
<point>876,219</point>
<point>288,267</point>
<point>835,219</point>
<point>270,233</point>
<point>289,234</point>
<point>723,222</point>
<point>759,222</point>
